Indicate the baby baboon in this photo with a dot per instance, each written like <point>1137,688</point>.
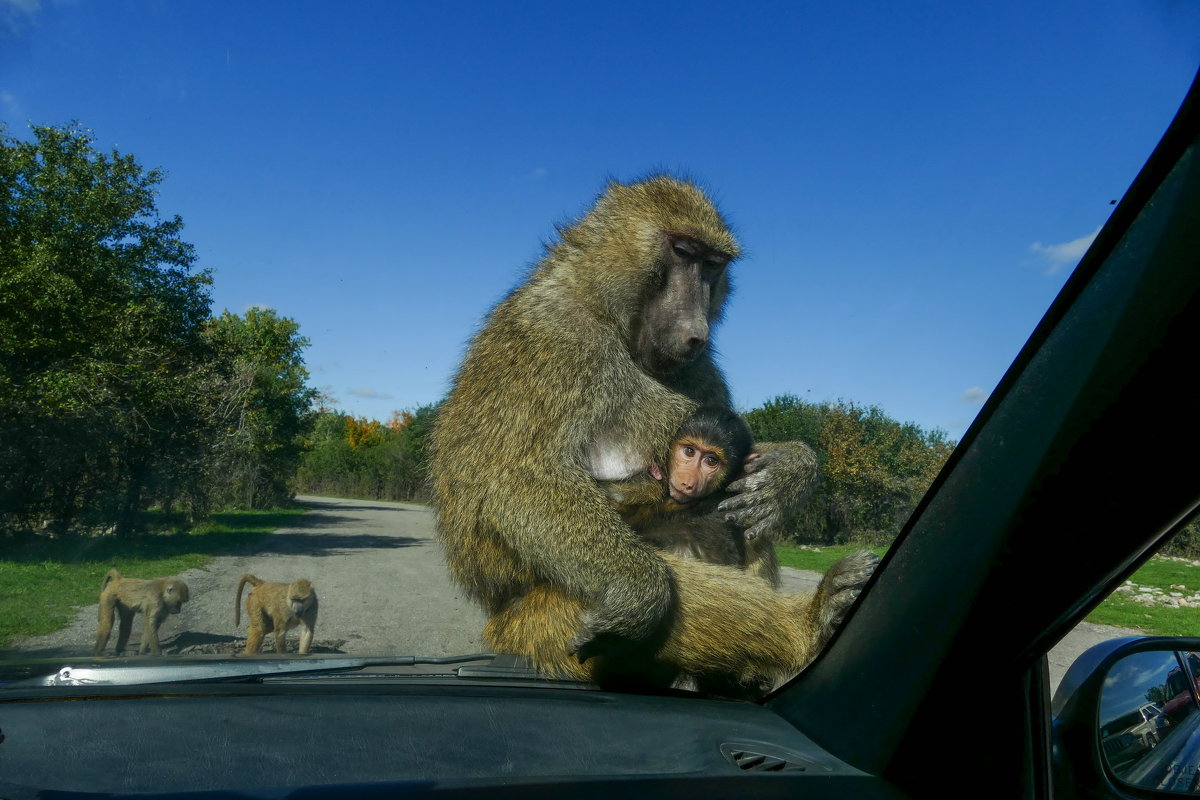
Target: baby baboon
<point>155,599</point>
<point>585,372</point>
<point>676,509</point>
<point>703,457</point>
<point>277,607</point>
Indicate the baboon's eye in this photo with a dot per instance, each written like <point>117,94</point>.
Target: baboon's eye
<point>685,248</point>
<point>712,461</point>
<point>689,451</point>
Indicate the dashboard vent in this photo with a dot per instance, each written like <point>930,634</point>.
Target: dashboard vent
<point>756,758</point>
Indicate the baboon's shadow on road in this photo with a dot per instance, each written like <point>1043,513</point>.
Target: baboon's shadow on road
<point>320,505</point>
<point>298,538</point>
<point>190,643</point>
<point>298,543</point>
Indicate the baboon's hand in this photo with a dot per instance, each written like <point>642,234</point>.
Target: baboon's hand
<point>619,626</point>
<point>589,641</point>
<point>838,590</point>
<point>775,485</point>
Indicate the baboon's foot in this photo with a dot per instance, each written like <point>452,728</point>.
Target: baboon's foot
<point>838,590</point>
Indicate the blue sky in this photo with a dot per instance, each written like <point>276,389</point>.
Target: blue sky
<point>912,182</point>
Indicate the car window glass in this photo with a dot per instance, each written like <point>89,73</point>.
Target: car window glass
<point>244,256</point>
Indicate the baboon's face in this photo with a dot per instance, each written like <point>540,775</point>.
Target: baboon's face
<point>697,469</point>
<point>174,596</point>
<point>674,325</point>
<point>300,596</point>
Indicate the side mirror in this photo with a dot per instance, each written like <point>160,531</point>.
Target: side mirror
<point>1127,714</point>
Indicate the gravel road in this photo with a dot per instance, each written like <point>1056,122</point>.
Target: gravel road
<point>377,571</point>
<point>383,588</point>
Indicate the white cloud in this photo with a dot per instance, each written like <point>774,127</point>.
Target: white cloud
<point>975,395</point>
<point>371,394</point>
<point>9,104</point>
<point>1066,254</point>
<point>15,14</point>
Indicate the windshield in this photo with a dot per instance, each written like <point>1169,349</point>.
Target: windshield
<point>411,334</point>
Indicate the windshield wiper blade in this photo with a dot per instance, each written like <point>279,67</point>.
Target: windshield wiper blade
<point>225,670</point>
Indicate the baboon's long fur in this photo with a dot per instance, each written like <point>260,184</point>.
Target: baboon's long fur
<point>277,607</point>
<point>124,597</point>
<point>531,535</point>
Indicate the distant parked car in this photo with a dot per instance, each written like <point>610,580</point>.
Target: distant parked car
<point>1131,735</point>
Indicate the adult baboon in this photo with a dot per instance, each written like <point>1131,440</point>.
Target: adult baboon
<point>585,371</point>
<point>277,607</point>
<point>154,599</point>
<point>675,509</point>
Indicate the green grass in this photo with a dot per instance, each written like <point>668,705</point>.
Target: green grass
<point>1116,610</point>
<point>43,580</point>
<point>819,559</point>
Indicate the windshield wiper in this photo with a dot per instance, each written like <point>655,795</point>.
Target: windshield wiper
<point>235,670</point>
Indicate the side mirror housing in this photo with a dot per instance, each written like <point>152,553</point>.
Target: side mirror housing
<point>1127,719</point>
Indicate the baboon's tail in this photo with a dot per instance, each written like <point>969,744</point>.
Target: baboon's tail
<point>111,575</point>
<point>237,603</point>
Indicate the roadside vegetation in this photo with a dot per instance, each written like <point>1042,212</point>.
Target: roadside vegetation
<point>120,391</point>
<point>1166,575</point>
<point>1169,581</point>
<point>348,456</point>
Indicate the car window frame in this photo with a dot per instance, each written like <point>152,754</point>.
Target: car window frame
<point>949,616</point>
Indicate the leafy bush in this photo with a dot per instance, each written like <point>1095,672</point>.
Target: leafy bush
<point>874,469</point>
<point>1185,544</point>
<point>356,457</point>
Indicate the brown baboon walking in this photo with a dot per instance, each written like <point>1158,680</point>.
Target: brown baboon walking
<point>154,599</point>
<point>585,372</point>
<point>277,607</point>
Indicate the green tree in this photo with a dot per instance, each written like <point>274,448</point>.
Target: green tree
<point>876,470</point>
<point>388,464</point>
<point>260,403</point>
<point>1186,543</point>
<point>101,331</point>
<point>786,418</point>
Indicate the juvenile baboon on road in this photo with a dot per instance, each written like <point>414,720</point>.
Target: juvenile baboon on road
<point>154,599</point>
<point>585,372</point>
<point>277,607</point>
<point>675,508</point>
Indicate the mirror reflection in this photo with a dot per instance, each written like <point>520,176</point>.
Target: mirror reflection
<point>1148,721</point>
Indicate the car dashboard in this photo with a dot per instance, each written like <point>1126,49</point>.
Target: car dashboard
<point>365,735</point>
